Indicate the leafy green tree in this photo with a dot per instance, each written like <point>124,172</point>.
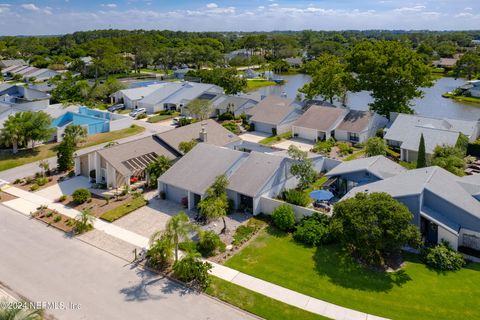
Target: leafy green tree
<point>84,220</point>
<point>65,152</point>
<point>392,72</point>
<point>462,143</point>
<point>449,158</point>
<point>186,146</point>
<point>12,133</point>
<point>157,168</point>
<point>329,78</point>
<point>228,79</point>
<point>160,253</point>
<point>468,65</point>
<point>421,157</point>
<point>193,271</point>
<point>36,126</point>
<point>199,109</point>
<point>302,167</point>
<point>373,226</point>
<point>176,230</point>
<point>76,133</point>
<point>375,147</point>
<point>215,203</point>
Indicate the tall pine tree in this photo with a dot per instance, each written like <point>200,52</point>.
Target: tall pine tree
<point>421,158</point>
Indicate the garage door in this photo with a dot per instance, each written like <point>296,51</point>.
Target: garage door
<point>175,194</point>
<point>263,127</point>
<point>305,133</point>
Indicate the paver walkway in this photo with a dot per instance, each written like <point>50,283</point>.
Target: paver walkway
<point>27,200</point>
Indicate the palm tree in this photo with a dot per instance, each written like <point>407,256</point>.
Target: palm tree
<point>44,165</point>
<point>84,220</point>
<point>177,229</point>
<point>157,168</point>
<point>12,133</point>
<point>76,132</point>
<point>19,313</point>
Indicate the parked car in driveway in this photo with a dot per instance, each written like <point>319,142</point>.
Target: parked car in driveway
<point>135,113</point>
<point>116,107</point>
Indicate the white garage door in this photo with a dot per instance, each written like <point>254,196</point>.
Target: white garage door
<point>175,194</point>
<point>305,133</point>
<point>263,127</point>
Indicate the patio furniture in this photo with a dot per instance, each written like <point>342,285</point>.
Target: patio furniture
<point>321,195</point>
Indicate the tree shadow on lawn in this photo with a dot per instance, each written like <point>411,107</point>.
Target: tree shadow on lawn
<point>343,270</point>
<point>151,286</point>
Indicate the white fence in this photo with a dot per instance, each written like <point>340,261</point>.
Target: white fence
<point>267,206</point>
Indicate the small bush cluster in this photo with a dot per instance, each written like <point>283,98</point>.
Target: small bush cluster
<point>283,217</point>
<point>324,147</point>
<point>226,116</point>
<point>245,232</point>
<point>209,243</point>
<point>312,230</point>
<point>443,257</point>
<point>62,198</point>
<point>81,195</point>
<point>141,116</point>
<point>296,197</point>
<point>193,271</point>
<point>344,148</point>
<point>34,187</point>
<point>231,126</point>
<point>41,181</point>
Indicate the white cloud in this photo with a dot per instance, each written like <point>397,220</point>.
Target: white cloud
<point>30,7</point>
<point>109,5</point>
<point>410,9</point>
<point>212,5</point>
<point>464,15</point>
<point>468,9</point>
<point>273,5</point>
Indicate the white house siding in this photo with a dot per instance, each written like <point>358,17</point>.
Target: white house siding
<point>284,127</point>
<point>263,127</point>
<point>267,205</point>
<point>307,133</point>
<point>341,135</point>
<point>469,238</point>
<point>451,238</point>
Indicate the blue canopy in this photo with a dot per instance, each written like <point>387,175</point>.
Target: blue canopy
<point>321,195</point>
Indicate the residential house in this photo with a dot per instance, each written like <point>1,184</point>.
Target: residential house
<point>179,74</point>
<point>474,88</point>
<point>234,104</point>
<point>115,166</point>
<point>405,131</point>
<point>444,206</point>
<point>358,126</point>
<point>251,176</point>
<point>29,73</point>
<point>10,63</point>
<point>318,123</point>
<point>274,115</point>
<point>294,62</point>
<point>165,95</point>
<point>22,98</point>
<point>447,63</point>
<point>250,74</point>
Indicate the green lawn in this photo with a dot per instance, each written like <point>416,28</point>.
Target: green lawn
<point>256,303</point>
<point>461,98</point>
<point>355,155</point>
<point>326,273</point>
<point>274,139</point>
<point>161,117</point>
<point>124,209</point>
<point>8,160</point>
<point>253,84</point>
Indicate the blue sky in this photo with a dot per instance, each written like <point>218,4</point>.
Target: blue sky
<point>65,16</point>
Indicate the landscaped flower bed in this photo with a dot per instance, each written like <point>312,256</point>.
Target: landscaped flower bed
<point>132,204</point>
<point>55,219</point>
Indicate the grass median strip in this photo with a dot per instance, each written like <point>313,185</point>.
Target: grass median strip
<point>124,209</point>
<point>274,139</point>
<point>257,303</point>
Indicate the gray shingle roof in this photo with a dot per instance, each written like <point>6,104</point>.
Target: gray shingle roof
<point>216,134</point>
<point>197,170</point>
<point>252,175</point>
<point>356,121</point>
<point>272,110</point>
<point>379,166</point>
<point>321,118</point>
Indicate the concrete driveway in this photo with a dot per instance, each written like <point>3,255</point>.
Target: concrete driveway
<point>43,265</point>
<point>303,145</point>
<point>66,187</point>
<point>254,136</point>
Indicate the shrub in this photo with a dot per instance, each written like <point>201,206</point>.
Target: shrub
<point>34,187</point>
<point>209,242</point>
<point>71,174</point>
<point>41,181</point>
<point>443,257</point>
<point>18,181</point>
<point>57,218</point>
<point>232,127</point>
<point>284,217</point>
<point>160,254</point>
<point>252,127</point>
<point>226,116</point>
<point>193,271</point>
<point>312,230</point>
<point>49,214</point>
<point>141,116</point>
<point>324,147</point>
<point>62,198</point>
<point>344,148</point>
<point>242,233</point>
<point>81,195</point>
<point>296,197</point>
<point>188,246</point>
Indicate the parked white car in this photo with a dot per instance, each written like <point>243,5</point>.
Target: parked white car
<point>135,113</point>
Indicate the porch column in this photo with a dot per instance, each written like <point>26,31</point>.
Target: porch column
<point>78,169</point>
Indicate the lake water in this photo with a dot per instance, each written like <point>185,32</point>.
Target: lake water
<point>432,104</point>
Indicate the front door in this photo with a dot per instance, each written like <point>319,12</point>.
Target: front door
<point>429,231</point>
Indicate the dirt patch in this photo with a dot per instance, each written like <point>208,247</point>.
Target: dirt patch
<point>55,219</point>
<point>98,204</point>
<point>6,197</point>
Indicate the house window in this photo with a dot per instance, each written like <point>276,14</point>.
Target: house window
<point>353,137</point>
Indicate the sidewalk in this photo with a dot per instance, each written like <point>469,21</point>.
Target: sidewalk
<point>27,200</point>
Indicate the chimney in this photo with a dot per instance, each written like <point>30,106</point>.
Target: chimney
<point>203,133</point>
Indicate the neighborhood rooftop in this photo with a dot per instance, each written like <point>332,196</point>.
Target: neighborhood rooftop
<point>321,118</point>
<point>356,121</point>
<point>379,166</point>
<point>272,110</point>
